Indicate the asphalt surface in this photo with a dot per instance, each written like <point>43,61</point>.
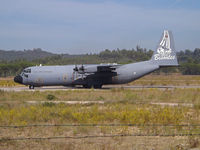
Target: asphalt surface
<point>56,88</point>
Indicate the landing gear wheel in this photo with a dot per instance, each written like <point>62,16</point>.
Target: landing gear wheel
<point>98,86</point>
<point>31,86</point>
<point>87,86</point>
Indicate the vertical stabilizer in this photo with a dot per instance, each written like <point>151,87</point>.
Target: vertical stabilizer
<point>165,54</point>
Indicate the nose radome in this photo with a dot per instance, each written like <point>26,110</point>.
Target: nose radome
<point>18,79</point>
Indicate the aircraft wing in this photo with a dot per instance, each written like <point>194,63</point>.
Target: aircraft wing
<point>91,71</point>
<point>85,71</point>
<point>101,68</point>
<point>107,67</point>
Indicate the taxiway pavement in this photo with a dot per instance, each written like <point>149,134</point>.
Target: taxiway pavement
<point>106,87</point>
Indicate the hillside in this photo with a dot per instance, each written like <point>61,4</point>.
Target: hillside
<point>28,55</point>
<point>12,62</point>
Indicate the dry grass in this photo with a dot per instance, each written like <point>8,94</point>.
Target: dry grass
<point>190,95</point>
<point>8,82</point>
<point>173,79</point>
<point>109,113</point>
<point>122,143</point>
<point>121,106</point>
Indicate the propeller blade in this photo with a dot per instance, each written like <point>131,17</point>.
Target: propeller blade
<point>76,68</point>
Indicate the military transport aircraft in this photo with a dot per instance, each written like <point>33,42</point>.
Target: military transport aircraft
<point>96,75</point>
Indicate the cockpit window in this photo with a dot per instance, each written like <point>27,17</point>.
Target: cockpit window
<point>27,70</point>
<point>26,75</point>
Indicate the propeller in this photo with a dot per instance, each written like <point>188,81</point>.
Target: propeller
<point>76,68</point>
<point>82,68</point>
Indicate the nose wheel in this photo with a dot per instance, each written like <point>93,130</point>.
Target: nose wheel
<point>31,87</point>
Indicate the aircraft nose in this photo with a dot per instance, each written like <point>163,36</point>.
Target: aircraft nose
<point>18,79</point>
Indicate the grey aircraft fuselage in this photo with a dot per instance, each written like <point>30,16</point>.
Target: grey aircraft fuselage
<point>97,75</point>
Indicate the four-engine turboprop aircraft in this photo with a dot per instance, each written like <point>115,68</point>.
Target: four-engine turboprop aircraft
<point>100,74</point>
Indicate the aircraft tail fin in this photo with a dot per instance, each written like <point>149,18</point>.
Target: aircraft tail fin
<point>165,54</point>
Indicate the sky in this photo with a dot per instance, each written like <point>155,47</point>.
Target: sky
<point>91,26</point>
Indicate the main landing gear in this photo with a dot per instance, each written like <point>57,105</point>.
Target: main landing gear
<point>97,86</point>
<point>31,87</point>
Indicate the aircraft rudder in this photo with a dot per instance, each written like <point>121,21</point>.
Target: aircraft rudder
<point>165,54</point>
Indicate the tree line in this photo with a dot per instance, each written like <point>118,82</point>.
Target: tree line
<point>189,60</point>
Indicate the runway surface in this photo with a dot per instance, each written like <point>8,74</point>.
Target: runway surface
<point>106,87</point>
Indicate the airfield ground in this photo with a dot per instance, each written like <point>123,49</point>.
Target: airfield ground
<point>164,112</point>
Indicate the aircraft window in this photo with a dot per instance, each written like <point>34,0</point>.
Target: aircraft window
<point>26,75</point>
<point>27,71</point>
